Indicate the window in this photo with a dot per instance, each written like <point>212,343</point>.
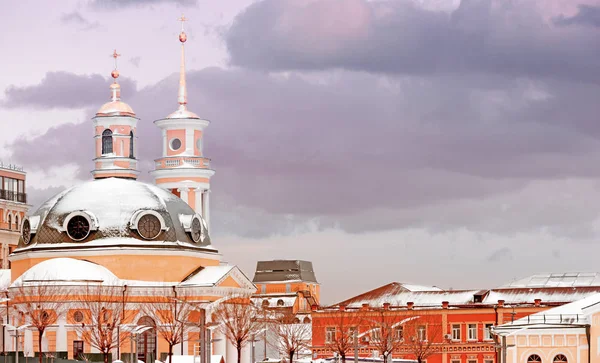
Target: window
<point>422,332</point>
<point>487,331</point>
<point>376,334</point>
<point>472,361</point>
<point>149,226</point>
<point>9,221</point>
<point>472,332</point>
<point>131,144</point>
<point>455,361</point>
<point>77,348</point>
<point>351,331</point>
<point>175,144</point>
<point>534,358</point>
<point>107,142</point>
<point>560,358</point>
<point>26,232</point>
<point>330,335</point>
<point>265,303</point>
<point>488,361</point>
<point>78,227</point>
<point>455,331</point>
<point>279,302</point>
<point>78,316</point>
<point>17,226</point>
<point>399,333</point>
<point>306,320</point>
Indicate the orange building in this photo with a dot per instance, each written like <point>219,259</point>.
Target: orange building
<point>455,323</point>
<point>13,207</point>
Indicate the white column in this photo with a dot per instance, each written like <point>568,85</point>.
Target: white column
<point>164,135</point>
<point>198,195</point>
<point>219,346</point>
<point>206,208</point>
<point>183,194</point>
<point>189,141</point>
<point>231,353</point>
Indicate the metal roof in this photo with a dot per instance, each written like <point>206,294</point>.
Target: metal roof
<point>568,279</point>
<point>284,270</point>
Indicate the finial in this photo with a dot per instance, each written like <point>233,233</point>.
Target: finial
<point>115,88</point>
<point>182,96</point>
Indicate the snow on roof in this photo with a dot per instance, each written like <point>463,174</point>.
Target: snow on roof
<point>568,279</point>
<point>547,295</point>
<point>208,276</point>
<point>68,270</point>
<point>5,277</point>
<point>281,301</point>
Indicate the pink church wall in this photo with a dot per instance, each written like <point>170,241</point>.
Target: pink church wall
<point>171,134</point>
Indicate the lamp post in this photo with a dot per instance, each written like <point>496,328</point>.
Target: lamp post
<point>17,331</point>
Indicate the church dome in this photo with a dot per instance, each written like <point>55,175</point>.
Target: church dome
<point>115,108</point>
<point>114,212</point>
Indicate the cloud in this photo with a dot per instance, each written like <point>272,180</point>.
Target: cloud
<point>503,254</point>
<point>362,152</point>
<point>399,37</point>
<point>64,90</point>
<point>138,3</point>
<point>135,61</point>
<point>587,15</point>
<point>75,18</point>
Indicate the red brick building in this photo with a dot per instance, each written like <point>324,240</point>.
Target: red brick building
<point>454,324</point>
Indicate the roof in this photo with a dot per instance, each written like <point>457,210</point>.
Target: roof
<point>208,276</point>
<point>62,270</point>
<point>5,277</point>
<point>569,279</point>
<point>284,271</point>
<point>112,205</point>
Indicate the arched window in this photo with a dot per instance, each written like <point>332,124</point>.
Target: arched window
<point>306,320</point>
<point>17,223</point>
<point>131,144</point>
<point>534,358</point>
<point>560,358</point>
<point>146,344</point>
<point>107,142</point>
<point>9,221</point>
<point>265,303</point>
<point>279,302</point>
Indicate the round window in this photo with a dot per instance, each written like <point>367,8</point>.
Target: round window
<point>196,230</point>
<point>78,316</point>
<point>149,226</point>
<point>26,232</point>
<point>78,227</point>
<point>175,144</point>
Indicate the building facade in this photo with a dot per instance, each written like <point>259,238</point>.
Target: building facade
<point>13,208</point>
<point>451,326</point>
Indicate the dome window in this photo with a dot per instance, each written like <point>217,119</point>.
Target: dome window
<point>196,230</point>
<point>148,223</point>
<point>78,316</point>
<point>195,226</point>
<point>26,231</point>
<point>175,144</point>
<point>79,225</point>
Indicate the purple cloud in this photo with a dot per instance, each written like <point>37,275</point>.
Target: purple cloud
<point>586,15</point>
<point>401,38</point>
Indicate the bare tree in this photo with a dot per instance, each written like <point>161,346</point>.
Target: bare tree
<point>422,334</point>
<point>103,312</point>
<point>385,330</point>
<point>341,331</point>
<point>171,312</point>
<point>291,336</point>
<point>43,303</point>
<point>239,321</point>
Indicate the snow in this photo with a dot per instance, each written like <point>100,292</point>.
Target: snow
<point>5,277</point>
<point>287,301</point>
<point>208,276</point>
<point>68,270</point>
<point>415,288</point>
<point>117,243</point>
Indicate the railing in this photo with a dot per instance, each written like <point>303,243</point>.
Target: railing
<point>556,319</point>
<point>13,196</point>
<point>173,162</point>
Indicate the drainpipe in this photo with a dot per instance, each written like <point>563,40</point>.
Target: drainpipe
<point>587,335</point>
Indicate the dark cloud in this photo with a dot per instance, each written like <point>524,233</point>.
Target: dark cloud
<point>503,254</point>
<point>64,90</point>
<point>137,3</point>
<point>480,36</point>
<point>358,150</point>
<point>75,18</point>
<point>587,15</point>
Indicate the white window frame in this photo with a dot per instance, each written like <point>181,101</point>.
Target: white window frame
<point>399,332</point>
<point>472,333</point>
<point>422,332</point>
<point>330,333</point>
<point>487,332</point>
<point>456,332</point>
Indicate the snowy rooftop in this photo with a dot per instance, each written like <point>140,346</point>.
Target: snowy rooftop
<point>570,279</point>
<point>68,270</point>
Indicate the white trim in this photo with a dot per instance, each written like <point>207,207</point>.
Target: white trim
<point>110,251</point>
<point>135,219</point>
<point>181,123</point>
<point>108,121</point>
<point>189,141</point>
<point>182,172</point>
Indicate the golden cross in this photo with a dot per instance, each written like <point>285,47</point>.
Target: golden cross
<point>182,19</point>
<point>115,55</point>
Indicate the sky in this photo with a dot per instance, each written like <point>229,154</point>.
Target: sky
<point>452,143</point>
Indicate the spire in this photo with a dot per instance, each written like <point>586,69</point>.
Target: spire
<point>115,87</point>
<point>182,111</point>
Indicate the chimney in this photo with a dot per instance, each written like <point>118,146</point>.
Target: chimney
<point>365,306</point>
<point>500,303</point>
<point>342,307</point>
<point>410,305</point>
<point>314,307</point>
<point>386,306</point>
<point>537,302</point>
<point>445,304</point>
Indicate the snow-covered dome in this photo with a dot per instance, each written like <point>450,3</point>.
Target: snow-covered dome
<point>114,212</point>
<point>58,270</point>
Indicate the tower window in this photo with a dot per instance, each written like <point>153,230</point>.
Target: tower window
<point>175,144</point>
<point>131,144</point>
<point>107,142</point>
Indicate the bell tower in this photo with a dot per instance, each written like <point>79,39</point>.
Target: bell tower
<point>114,133</point>
<point>183,169</point>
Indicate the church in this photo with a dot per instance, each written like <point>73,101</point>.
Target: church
<point>150,240</point>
